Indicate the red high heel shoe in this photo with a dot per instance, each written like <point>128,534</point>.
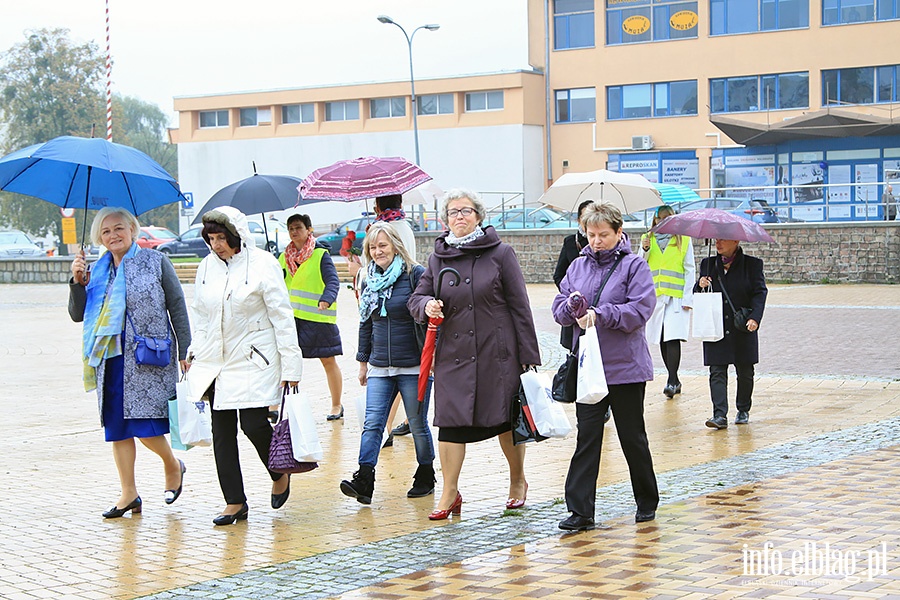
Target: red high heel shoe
<point>515,502</point>
<point>456,508</point>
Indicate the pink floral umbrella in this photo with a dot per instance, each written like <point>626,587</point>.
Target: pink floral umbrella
<point>361,178</point>
<point>713,223</point>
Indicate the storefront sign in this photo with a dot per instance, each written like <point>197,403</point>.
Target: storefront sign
<point>636,25</point>
<point>683,172</point>
<point>638,165</point>
<point>683,20</point>
<point>757,159</point>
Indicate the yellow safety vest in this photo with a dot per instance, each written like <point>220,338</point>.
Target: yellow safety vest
<point>667,267</point>
<point>305,288</point>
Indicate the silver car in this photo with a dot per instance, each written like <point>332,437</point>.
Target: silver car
<point>16,244</point>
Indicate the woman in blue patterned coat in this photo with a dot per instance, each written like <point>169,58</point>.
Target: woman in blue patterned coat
<point>130,291</point>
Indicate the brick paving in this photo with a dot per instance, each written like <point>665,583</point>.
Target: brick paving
<point>826,409</point>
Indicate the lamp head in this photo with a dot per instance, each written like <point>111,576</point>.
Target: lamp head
<point>432,27</point>
<point>385,19</point>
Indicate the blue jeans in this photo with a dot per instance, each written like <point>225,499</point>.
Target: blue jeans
<point>380,394</point>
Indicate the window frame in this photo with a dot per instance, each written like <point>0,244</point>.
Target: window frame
<point>218,114</point>
<point>568,100</point>
<point>660,93</point>
<point>439,104</point>
<point>878,72</point>
<point>244,116</point>
<point>391,100</point>
<point>300,111</point>
<point>487,101</point>
<point>649,9</point>
<point>565,19</point>
<point>726,84</point>
<point>719,11</point>
<point>344,104</point>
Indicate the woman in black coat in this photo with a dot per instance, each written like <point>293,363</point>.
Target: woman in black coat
<point>741,277</point>
<point>571,249</point>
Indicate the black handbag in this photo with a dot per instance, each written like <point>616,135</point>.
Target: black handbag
<point>565,382</point>
<point>152,351</point>
<point>741,315</point>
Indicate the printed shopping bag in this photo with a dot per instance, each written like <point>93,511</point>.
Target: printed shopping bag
<point>174,435</point>
<point>549,416</point>
<point>707,324</point>
<point>591,387</point>
<point>194,418</point>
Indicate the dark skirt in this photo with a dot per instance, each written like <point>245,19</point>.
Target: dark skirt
<point>116,426</point>
<point>318,340</point>
<point>470,435</point>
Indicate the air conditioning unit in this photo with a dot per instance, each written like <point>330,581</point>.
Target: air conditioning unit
<point>641,142</point>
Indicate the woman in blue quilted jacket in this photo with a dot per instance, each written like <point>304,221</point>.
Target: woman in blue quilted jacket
<point>389,356</point>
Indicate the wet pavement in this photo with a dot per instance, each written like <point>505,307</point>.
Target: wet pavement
<point>745,512</point>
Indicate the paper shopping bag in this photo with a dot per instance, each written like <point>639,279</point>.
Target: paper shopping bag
<point>707,324</point>
<point>304,437</point>
<point>174,434</point>
<point>591,387</point>
<point>549,416</point>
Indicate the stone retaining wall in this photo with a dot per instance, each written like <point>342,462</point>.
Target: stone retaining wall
<point>51,269</point>
<point>802,252</point>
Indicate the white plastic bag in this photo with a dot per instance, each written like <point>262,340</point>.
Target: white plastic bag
<point>304,437</point>
<point>707,324</point>
<point>549,416</point>
<point>194,418</point>
<point>591,376</point>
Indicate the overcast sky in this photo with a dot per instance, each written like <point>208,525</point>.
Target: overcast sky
<point>167,48</point>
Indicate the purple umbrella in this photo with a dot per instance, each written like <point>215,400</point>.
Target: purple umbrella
<point>362,178</point>
<point>713,223</point>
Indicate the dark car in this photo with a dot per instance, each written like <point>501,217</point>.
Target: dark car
<point>755,210</point>
<point>189,242</point>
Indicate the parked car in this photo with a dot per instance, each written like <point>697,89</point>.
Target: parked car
<point>336,237</point>
<point>531,218</point>
<point>755,210</point>
<point>151,237</point>
<point>189,242</point>
<point>17,244</point>
<point>277,232</point>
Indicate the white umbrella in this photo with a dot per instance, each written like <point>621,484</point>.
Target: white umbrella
<point>426,194</point>
<point>628,191</point>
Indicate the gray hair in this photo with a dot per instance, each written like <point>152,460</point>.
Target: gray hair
<point>601,212</point>
<point>108,211</point>
<point>393,237</point>
<point>460,194</point>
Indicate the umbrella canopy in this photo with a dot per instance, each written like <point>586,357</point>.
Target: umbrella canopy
<point>431,336</point>
<point>672,193</point>
<point>713,223</point>
<point>89,173</point>
<point>426,194</point>
<point>257,194</point>
<point>361,178</point>
<point>628,191</point>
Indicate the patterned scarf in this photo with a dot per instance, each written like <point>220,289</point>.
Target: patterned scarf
<point>391,214</point>
<point>104,315</point>
<point>293,257</point>
<point>471,237</point>
<point>379,286</point>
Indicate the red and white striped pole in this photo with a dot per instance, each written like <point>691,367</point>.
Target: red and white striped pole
<point>108,80</point>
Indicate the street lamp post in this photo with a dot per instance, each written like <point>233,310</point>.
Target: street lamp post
<point>412,80</point>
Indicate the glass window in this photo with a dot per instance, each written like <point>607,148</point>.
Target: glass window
<point>629,21</point>
<point>576,105</point>
<point>434,104</point>
<point>477,101</point>
<point>887,84</point>
<point>347,110</point>
<point>849,86</point>
<point>381,108</point>
<point>746,16</point>
<point>887,9</point>
<point>573,24</point>
<point>763,92</point>
<point>656,100</point>
<point>845,12</point>
<point>213,118</point>
<point>248,117</point>
<point>297,113</point>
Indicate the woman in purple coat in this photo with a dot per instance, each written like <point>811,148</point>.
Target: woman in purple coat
<point>625,305</point>
<point>486,341</point>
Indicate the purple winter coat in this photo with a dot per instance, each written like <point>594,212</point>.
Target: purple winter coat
<point>487,333</point>
<point>625,306</point>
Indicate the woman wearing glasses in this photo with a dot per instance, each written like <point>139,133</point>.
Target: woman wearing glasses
<point>486,341</point>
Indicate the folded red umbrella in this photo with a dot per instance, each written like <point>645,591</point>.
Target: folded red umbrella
<point>431,336</point>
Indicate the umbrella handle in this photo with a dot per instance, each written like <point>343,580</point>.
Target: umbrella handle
<point>440,279</point>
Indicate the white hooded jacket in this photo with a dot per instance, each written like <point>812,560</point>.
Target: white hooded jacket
<point>243,334</point>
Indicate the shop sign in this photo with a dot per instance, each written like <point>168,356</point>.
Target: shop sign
<point>683,20</point>
<point>636,25</point>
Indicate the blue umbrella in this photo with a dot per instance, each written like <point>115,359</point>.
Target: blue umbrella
<point>89,173</point>
<point>672,193</point>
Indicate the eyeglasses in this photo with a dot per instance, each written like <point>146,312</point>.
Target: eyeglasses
<point>455,212</point>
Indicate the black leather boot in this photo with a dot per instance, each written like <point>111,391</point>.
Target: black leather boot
<point>362,486</point>
<point>423,482</point>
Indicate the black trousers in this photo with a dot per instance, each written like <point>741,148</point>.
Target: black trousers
<point>255,425</point>
<point>718,388</point>
<point>627,403</point>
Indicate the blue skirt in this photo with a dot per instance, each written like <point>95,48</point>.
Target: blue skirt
<point>116,426</point>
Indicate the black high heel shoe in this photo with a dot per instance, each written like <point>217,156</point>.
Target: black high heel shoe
<point>240,515</point>
<point>115,512</point>
<point>172,495</point>
<point>278,500</point>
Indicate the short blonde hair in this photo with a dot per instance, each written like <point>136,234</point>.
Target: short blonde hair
<point>601,212</point>
<point>393,237</point>
<point>109,211</point>
<point>460,194</point>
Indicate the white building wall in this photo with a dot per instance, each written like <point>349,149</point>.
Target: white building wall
<point>505,158</point>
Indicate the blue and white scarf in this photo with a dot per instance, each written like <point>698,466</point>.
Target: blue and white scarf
<point>379,286</point>
<point>104,315</point>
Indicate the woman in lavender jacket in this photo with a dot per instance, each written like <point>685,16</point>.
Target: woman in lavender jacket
<point>625,305</point>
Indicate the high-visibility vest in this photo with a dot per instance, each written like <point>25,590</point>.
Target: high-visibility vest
<point>667,267</point>
<point>305,287</point>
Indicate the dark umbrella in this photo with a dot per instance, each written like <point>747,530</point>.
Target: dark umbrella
<point>431,336</point>
<point>89,173</point>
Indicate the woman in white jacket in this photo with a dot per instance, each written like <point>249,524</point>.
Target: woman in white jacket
<point>243,351</point>
<point>671,260</point>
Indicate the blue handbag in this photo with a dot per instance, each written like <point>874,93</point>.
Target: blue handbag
<point>149,350</point>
